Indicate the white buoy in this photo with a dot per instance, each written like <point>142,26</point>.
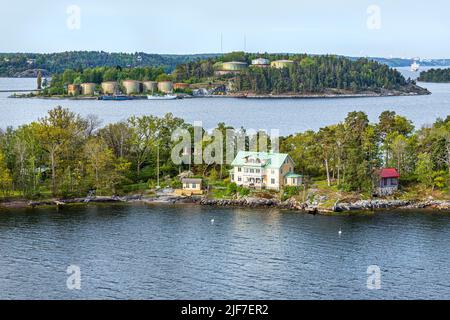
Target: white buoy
<point>340,232</point>
<point>212,221</point>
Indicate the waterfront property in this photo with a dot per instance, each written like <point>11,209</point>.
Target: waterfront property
<point>190,187</point>
<point>263,170</point>
<point>388,181</point>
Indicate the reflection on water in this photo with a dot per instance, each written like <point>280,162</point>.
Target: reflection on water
<point>174,252</point>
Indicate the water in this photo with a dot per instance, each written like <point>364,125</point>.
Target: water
<point>174,252</point>
<point>288,116</point>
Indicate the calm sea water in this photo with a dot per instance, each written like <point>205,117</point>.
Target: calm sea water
<point>175,252</point>
<point>288,116</point>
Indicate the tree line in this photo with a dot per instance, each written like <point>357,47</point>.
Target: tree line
<point>435,75</point>
<point>13,63</point>
<point>350,152</point>
<point>64,154</point>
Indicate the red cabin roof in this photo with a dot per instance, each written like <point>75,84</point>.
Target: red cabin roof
<point>389,173</point>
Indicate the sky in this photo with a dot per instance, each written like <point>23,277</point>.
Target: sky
<point>382,28</point>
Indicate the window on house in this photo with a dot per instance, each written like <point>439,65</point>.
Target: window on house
<point>239,179</point>
<point>273,171</point>
<point>239,169</point>
<point>272,181</point>
<point>194,186</point>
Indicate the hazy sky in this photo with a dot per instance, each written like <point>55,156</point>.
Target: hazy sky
<point>399,28</point>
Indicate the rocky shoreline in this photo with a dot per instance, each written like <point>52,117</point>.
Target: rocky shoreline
<point>362,205</point>
<point>246,202</point>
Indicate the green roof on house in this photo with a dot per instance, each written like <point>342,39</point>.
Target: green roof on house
<point>292,175</point>
<point>272,160</point>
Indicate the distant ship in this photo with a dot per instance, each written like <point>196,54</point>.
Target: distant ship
<point>415,67</point>
<point>166,97</point>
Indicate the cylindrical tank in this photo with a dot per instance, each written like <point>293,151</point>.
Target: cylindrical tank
<point>280,64</point>
<point>88,89</point>
<point>131,86</point>
<point>150,86</point>
<point>260,62</point>
<point>165,86</point>
<point>234,66</point>
<point>180,85</point>
<point>109,87</point>
<point>73,89</point>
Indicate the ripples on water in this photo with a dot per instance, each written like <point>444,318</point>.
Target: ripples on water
<point>164,252</point>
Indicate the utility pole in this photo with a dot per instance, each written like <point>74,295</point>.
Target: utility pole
<point>157,168</point>
<point>245,43</point>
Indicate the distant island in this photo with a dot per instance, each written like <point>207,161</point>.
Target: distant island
<point>435,75</point>
<point>65,158</point>
<point>27,65</point>
<point>238,74</point>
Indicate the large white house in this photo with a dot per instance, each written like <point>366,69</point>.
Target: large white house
<point>262,170</point>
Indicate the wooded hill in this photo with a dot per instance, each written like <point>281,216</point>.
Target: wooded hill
<point>435,75</point>
<point>12,64</point>
<point>308,74</point>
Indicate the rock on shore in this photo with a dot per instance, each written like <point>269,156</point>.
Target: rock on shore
<point>391,204</point>
<point>249,202</point>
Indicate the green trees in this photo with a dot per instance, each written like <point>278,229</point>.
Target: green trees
<point>424,170</point>
<point>435,75</point>
<point>12,63</point>
<point>397,142</point>
<point>317,74</point>
<point>5,177</point>
<point>347,154</point>
<point>359,151</point>
<point>60,135</point>
<point>68,155</point>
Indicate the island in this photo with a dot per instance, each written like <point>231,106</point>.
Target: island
<point>238,75</point>
<point>64,158</point>
<point>435,75</point>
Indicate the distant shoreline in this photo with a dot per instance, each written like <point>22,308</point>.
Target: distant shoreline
<point>247,96</point>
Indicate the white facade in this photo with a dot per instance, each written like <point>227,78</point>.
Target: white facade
<point>264,171</point>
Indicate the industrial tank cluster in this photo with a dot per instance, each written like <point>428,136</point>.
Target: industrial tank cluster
<point>234,67</point>
<point>129,87</point>
<point>86,89</point>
